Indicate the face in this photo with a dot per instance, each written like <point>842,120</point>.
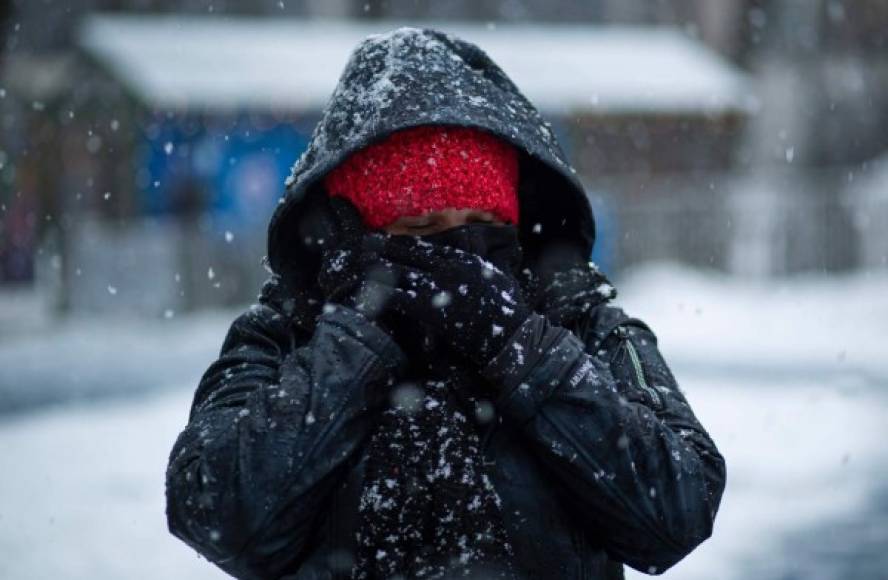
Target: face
<point>439,221</point>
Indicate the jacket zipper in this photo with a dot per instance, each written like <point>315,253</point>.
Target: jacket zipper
<point>639,374</point>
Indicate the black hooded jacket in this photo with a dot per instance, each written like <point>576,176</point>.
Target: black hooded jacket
<point>596,454</point>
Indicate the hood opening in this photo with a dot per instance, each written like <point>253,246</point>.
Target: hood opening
<point>552,212</point>
<point>552,215</point>
<point>410,77</point>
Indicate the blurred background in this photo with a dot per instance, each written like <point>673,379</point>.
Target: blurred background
<point>735,153</point>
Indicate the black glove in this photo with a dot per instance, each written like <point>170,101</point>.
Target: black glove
<point>464,300</point>
<point>560,282</point>
<point>352,272</point>
<point>569,294</point>
<point>543,263</point>
<point>345,257</point>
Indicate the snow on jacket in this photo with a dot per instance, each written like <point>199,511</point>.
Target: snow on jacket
<point>596,454</point>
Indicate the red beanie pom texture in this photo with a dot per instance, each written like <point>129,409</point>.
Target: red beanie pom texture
<point>429,168</point>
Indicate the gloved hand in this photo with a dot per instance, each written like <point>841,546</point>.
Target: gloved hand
<point>560,282</point>
<point>466,301</point>
<point>352,272</point>
<point>569,294</point>
<point>344,258</point>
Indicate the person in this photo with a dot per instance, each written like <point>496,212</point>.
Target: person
<point>435,383</point>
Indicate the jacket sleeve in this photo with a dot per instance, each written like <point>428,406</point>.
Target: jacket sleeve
<point>618,437</point>
<point>272,423</point>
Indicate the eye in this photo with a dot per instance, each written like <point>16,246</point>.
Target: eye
<point>417,223</point>
<point>482,218</point>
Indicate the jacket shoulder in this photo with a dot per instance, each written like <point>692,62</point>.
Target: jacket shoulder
<point>604,320</point>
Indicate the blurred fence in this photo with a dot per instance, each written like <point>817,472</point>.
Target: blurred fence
<point>769,223</point>
<point>160,266</point>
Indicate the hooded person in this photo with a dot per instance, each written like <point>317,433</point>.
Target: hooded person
<point>434,383</point>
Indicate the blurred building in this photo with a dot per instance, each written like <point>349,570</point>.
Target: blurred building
<point>129,172</point>
<point>191,127</point>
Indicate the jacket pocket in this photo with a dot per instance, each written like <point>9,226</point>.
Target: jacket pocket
<point>628,358</point>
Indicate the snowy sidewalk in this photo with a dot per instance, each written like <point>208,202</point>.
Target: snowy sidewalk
<point>82,495</point>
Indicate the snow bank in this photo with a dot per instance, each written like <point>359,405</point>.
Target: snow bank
<point>92,357</point>
<point>836,326</point>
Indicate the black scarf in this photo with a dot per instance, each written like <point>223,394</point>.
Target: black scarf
<point>428,507</point>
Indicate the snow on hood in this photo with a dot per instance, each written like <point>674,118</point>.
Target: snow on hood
<point>410,77</point>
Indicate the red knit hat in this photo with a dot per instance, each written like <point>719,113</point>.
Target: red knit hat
<point>429,168</point>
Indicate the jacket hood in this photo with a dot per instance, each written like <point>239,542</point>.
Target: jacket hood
<point>410,77</point>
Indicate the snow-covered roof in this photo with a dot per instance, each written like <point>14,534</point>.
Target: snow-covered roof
<point>289,64</point>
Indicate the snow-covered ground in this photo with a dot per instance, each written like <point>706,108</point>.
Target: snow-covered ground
<point>790,378</point>
<point>806,325</point>
<point>87,358</point>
